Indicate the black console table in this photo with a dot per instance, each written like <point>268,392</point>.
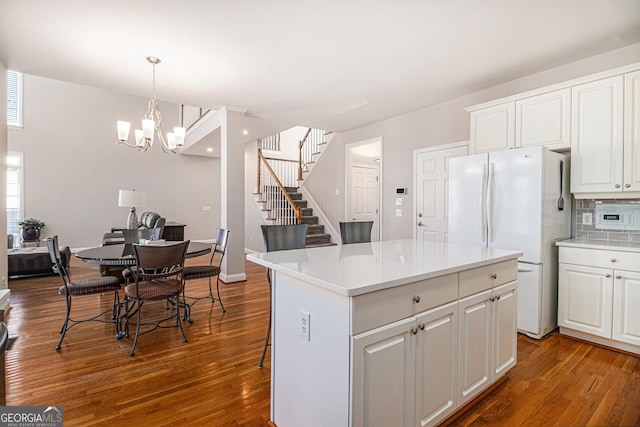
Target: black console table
<point>173,231</point>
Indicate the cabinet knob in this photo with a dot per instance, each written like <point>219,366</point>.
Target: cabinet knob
<point>607,275</point>
<point>416,299</point>
<point>627,185</point>
<point>421,326</point>
<point>617,185</point>
<point>494,276</point>
<point>612,260</point>
<point>618,276</point>
<point>414,331</point>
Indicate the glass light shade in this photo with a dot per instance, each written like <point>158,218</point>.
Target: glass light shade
<point>123,130</point>
<point>180,133</point>
<point>147,128</point>
<point>139,137</point>
<point>132,198</point>
<point>171,140</point>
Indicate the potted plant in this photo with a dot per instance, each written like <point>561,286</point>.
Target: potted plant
<point>31,229</point>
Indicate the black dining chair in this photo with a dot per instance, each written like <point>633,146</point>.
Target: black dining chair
<point>193,272</point>
<point>280,238</point>
<point>156,278</point>
<point>76,288</point>
<point>355,232</point>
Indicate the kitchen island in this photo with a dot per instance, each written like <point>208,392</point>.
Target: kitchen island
<point>399,332</point>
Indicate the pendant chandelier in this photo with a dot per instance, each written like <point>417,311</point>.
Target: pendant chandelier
<point>151,126</point>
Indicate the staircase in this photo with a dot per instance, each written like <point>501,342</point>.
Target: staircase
<point>316,236</point>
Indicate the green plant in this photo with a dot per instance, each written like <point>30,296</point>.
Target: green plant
<point>31,224</point>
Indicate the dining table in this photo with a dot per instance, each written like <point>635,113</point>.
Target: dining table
<point>123,255</point>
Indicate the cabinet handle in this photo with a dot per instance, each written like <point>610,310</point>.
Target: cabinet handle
<point>416,299</point>
<point>627,185</point>
<point>618,276</point>
<point>421,326</point>
<point>607,275</point>
<point>617,185</point>
<point>414,331</point>
<point>494,276</point>
<point>498,297</point>
<point>612,260</point>
<point>492,299</point>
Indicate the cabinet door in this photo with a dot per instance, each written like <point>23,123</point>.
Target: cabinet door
<point>626,307</point>
<point>505,329</point>
<point>493,128</point>
<point>544,120</point>
<point>436,364</point>
<point>585,299</point>
<point>632,132</point>
<point>475,341</point>
<point>596,136</point>
<point>384,375</point>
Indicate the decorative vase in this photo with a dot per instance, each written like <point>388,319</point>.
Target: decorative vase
<point>30,235</point>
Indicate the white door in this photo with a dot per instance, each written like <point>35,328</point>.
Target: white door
<point>585,299</point>
<point>514,201</point>
<point>626,300</point>
<point>383,376</point>
<point>467,200</point>
<point>475,340</point>
<point>505,337</point>
<point>431,178</point>
<point>437,364</point>
<point>364,198</point>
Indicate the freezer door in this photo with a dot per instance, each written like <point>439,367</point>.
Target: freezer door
<point>530,299</point>
<point>515,205</point>
<point>467,200</point>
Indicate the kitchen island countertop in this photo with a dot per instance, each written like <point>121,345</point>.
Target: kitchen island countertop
<point>356,269</point>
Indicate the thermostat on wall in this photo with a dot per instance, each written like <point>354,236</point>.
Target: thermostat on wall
<point>401,190</point>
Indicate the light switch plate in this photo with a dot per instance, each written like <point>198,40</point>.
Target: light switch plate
<point>587,218</point>
<point>398,201</point>
<point>398,212</point>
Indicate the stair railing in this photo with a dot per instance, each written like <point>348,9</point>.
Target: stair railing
<point>282,207</point>
<point>309,146</point>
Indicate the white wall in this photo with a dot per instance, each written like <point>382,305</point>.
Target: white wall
<point>436,125</point>
<point>73,168</point>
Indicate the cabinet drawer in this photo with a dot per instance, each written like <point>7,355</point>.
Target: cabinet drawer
<point>482,278</point>
<point>375,309</point>
<point>617,260</point>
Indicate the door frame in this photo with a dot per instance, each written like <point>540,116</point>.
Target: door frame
<point>348,162</point>
<point>416,153</point>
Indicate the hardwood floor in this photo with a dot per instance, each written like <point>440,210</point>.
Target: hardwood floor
<point>213,380</point>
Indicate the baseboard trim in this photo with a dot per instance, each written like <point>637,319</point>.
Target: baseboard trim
<point>232,278</point>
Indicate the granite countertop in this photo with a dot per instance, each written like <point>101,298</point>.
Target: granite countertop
<point>600,244</point>
<point>361,268</point>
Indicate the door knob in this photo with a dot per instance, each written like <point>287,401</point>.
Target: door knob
<point>617,185</point>
<point>627,185</point>
<point>420,224</point>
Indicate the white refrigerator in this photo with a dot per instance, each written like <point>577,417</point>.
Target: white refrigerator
<point>516,199</point>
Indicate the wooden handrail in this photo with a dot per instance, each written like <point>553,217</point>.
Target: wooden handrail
<point>295,208</point>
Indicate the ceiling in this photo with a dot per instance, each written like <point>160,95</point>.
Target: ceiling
<point>329,64</point>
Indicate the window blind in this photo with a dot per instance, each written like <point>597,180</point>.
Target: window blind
<point>14,98</point>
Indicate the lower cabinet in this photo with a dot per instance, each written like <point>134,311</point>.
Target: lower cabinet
<point>599,297</point>
<point>418,371</point>
<point>488,339</point>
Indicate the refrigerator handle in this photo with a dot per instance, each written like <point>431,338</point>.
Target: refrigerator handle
<point>490,205</point>
<point>483,201</point>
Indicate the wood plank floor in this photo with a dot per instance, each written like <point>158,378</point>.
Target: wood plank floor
<point>213,380</point>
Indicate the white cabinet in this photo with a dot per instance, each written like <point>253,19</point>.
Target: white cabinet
<point>488,339</point>
<point>597,137</point>
<point>632,132</point>
<point>599,296</point>
<point>544,120</point>
<point>626,307</point>
<point>585,299</point>
<point>493,128</point>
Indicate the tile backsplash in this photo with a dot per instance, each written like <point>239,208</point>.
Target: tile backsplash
<point>591,232</point>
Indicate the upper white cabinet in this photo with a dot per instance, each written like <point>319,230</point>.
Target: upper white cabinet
<point>544,120</point>
<point>632,132</point>
<point>493,128</point>
<point>596,137</point>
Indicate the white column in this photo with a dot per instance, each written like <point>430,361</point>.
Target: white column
<point>4,291</point>
<point>232,193</point>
